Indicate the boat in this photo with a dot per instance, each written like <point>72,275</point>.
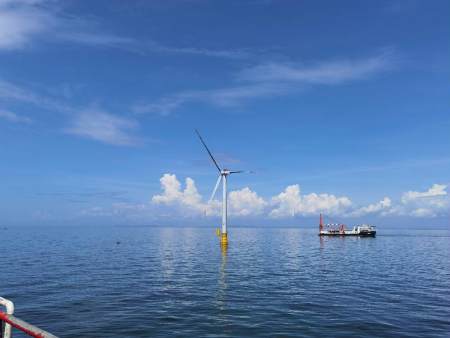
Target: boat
<point>338,229</point>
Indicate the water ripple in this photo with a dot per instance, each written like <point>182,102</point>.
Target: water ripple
<point>162,282</point>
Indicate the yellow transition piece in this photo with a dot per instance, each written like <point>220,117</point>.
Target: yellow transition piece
<point>224,239</point>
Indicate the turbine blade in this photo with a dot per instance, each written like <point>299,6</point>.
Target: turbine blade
<point>215,188</point>
<point>241,171</point>
<point>206,147</point>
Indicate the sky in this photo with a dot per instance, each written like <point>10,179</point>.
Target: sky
<point>338,107</point>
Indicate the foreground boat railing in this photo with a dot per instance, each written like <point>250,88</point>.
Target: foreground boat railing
<point>8,321</point>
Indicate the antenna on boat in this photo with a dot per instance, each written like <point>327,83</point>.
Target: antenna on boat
<point>223,176</point>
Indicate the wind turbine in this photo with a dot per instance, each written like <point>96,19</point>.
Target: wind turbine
<point>223,174</point>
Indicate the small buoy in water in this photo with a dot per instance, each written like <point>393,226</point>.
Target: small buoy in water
<point>118,242</point>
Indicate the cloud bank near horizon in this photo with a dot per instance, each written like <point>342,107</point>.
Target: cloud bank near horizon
<point>291,202</point>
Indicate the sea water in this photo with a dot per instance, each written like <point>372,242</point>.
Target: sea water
<point>270,282</point>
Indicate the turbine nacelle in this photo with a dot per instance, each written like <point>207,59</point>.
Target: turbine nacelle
<point>223,173</point>
<point>229,172</point>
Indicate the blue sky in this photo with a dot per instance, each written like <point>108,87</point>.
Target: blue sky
<point>339,107</point>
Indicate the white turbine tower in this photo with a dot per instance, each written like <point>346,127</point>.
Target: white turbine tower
<point>223,174</point>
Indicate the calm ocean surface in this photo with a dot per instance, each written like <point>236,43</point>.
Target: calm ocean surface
<point>276,282</point>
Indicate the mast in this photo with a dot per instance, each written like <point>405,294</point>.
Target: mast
<point>224,205</point>
<point>321,223</point>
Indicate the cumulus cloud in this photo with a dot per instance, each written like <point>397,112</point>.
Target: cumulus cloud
<point>286,202</point>
<point>379,207</point>
<point>102,126</point>
<point>423,212</point>
<point>291,203</point>
<point>174,195</point>
<point>436,190</point>
<point>172,191</point>
<point>430,203</point>
<point>178,200</point>
<point>244,202</point>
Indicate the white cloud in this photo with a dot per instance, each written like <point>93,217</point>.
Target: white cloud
<point>246,202</point>
<point>20,21</point>
<point>222,97</point>
<point>173,195</point>
<point>423,212</point>
<point>12,92</point>
<point>24,21</point>
<point>178,201</point>
<point>434,191</point>
<point>273,79</point>
<point>287,202</point>
<point>242,202</point>
<point>13,117</point>
<point>331,72</point>
<point>291,203</point>
<point>382,206</point>
<point>171,190</point>
<point>102,126</point>
<point>228,54</point>
<point>430,203</point>
<point>91,122</point>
